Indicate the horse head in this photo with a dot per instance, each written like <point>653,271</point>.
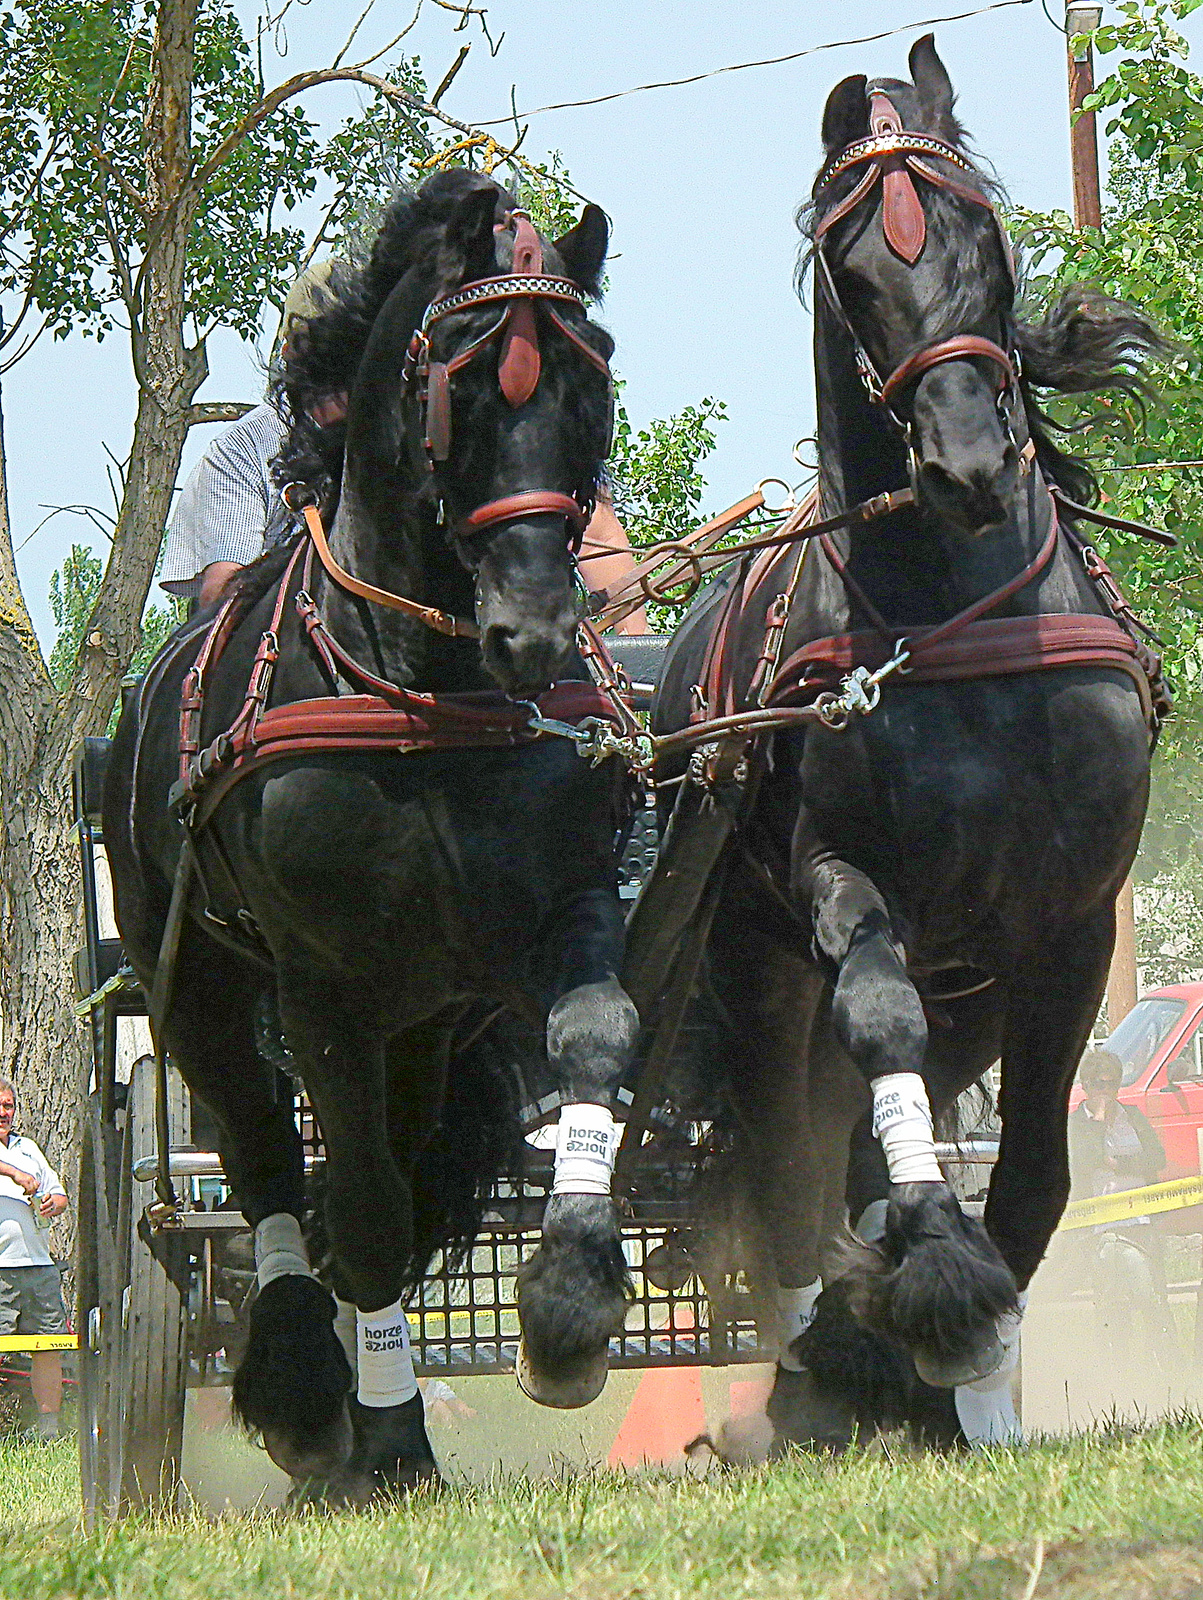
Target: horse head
<point>914,263</point>
<point>478,419</point>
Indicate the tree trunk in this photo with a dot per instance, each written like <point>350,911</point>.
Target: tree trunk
<point>42,1040</point>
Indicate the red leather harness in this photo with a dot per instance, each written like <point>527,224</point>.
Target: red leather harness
<point>386,717</point>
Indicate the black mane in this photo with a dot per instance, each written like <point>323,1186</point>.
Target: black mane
<point>323,357</point>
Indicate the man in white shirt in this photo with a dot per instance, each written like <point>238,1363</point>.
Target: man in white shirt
<point>31,1300</point>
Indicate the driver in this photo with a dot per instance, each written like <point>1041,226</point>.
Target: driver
<point>230,511</point>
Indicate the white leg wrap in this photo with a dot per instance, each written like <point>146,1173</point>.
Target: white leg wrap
<point>586,1143</point>
<point>386,1368</point>
<point>346,1331</point>
<point>985,1408</point>
<point>902,1121</point>
<point>796,1309</point>
<point>280,1249</point>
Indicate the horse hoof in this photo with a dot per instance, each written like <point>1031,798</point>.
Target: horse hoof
<point>564,1394</point>
<point>317,1458</point>
<point>946,1372</point>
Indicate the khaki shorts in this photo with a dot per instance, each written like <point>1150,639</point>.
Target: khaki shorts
<point>31,1300</point>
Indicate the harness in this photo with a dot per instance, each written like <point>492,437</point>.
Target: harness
<point>832,679</point>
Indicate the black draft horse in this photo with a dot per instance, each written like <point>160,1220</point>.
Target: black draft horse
<point>934,886</point>
<point>397,897</point>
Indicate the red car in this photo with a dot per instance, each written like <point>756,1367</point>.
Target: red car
<point>1160,1043</point>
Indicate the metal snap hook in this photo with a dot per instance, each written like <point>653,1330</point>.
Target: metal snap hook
<point>787,504</point>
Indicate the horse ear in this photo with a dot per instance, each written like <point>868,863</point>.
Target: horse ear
<point>468,251</point>
<point>583,249</point>
<point>932,83</point>
<point>846,114</point>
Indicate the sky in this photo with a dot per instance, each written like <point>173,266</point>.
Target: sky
<point>701,183</point>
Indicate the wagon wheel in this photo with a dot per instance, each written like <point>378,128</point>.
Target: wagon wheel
<point>98,1311</point>
<point>154,1345</point>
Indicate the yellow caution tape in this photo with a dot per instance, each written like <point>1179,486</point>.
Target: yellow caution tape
<point>1129,1203</point>
<point>39,1341</point>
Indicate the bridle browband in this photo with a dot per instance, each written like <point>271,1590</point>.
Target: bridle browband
<point>895,157</point>
<point>518,370</point>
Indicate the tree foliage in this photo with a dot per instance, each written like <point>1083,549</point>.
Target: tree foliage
<point>75,212</point>
<point>1149,251</point>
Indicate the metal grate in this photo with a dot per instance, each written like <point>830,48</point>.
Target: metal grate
<point>466,1321</point>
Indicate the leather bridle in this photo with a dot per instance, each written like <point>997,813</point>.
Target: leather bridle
<point>518,370</point>
<point>894,158</point>
<point>519,366</point>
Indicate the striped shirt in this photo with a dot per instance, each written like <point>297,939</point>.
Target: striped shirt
<point>229,509</point>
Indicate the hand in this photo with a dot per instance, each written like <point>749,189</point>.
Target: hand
<point>54,1205</point>
<point>27,1182</point>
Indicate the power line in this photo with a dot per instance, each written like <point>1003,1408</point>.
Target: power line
<point>746,66</point>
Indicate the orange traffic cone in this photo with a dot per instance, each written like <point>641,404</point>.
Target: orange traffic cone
<point>664,1415</point>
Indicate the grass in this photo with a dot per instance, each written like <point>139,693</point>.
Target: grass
<point>1113,1516</point>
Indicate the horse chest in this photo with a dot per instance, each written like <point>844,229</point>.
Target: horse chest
<point>439,885</point>
<point>986,793</point>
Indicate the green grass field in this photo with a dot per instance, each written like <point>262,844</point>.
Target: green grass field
<point>1116,1515</point>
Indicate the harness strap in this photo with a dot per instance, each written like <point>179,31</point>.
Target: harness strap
<point>963,618</point>
<point>431,616</point>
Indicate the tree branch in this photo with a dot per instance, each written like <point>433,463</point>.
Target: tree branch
<point>217,411</point>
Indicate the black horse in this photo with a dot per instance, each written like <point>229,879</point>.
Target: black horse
<point>384,903</point>
<point>934,886</point>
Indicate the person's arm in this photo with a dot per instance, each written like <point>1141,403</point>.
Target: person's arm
<point>23,1180</point>
<point>50,1187</point>
<point>224,509</point>
<point>605,532</point>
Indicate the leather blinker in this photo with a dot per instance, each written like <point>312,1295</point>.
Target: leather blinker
<point>903,221</point>
<point>520,364</point>
<point>438,412</point>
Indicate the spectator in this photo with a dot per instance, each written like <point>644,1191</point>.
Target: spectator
<point>1111,1146</point>
<point>31,1300</point>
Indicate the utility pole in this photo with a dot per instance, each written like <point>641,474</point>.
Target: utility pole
<point>1080,22</point>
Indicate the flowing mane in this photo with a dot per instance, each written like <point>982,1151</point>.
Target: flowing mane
<point>324,356</point>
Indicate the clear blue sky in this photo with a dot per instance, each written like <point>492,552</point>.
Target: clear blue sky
<point>701,183</point>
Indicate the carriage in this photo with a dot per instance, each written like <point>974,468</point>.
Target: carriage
<point>824,1002</point>
<point>164,1294</point>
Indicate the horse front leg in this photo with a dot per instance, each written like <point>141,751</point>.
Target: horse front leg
<point>292,1381</point>
<point>934,1280</point>
<point>574,1291</point>
<point>364,1107</point>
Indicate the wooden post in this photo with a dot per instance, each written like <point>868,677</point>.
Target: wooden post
<point>1081,21</point>
<point>1121,980</point>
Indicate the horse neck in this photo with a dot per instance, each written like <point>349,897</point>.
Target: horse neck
<point>387,532</point>
<point>911,571</point>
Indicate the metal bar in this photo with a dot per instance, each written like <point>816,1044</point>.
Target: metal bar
<point>968,1152</point>
<point>191,1164</point>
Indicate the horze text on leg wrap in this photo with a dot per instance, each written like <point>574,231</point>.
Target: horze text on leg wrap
<point>902,1120</point>
<point>796,1311</point>
<point>586,1143</point>
<point>385,1366</point>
